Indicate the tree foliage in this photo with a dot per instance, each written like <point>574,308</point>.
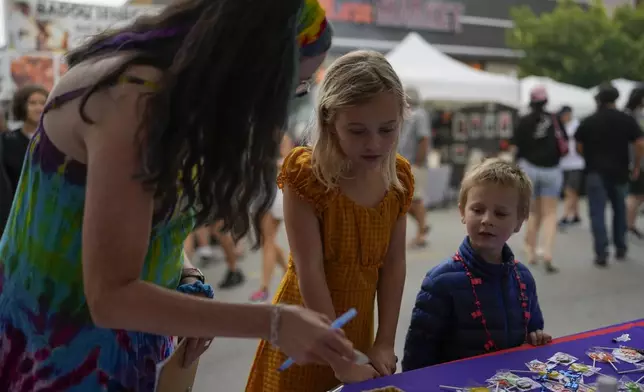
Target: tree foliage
<point>580,45</point>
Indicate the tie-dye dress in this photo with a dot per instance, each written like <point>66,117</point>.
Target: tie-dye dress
<point>48,342</point>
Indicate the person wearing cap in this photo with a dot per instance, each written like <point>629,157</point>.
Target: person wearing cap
<point>573,170</point>
<point>635,198</point>
<point>604,140</point>
<point>414,145</point>
<point>536,146</point>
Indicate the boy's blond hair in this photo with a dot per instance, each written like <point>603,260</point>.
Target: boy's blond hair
<point>351,80</point>
<point>499,172</point>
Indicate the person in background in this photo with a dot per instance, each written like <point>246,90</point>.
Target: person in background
<point>480,300</point>
<point>635,198</point>
<point>604,140</point>
<point>414,145</point>
<point>536,146</point>
<point>272,253</point>
<point>27,107</point>
<point>201,238</point>
<point>573,170</point>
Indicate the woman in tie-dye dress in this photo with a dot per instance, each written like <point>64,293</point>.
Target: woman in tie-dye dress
<point>141,141</point>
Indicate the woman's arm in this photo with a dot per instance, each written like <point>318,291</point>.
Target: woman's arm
<point>391,285</point>
<point>116,233</point>
<point>305,241</point>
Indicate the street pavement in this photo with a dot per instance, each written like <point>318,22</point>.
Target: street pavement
<point>581,297</point>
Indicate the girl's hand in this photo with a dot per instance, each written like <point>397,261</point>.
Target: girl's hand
<point>539,338</point>
<point>383,359</point>
<point>307,337</point>
<point>354,373</point>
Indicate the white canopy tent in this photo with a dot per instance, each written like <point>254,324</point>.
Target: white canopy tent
<point>579,99</point>
<point>624,86</point>
<point>438,77</point>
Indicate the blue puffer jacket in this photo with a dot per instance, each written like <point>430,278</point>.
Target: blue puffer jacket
<point>442,326</point>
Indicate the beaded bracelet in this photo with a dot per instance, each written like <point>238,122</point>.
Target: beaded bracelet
<point>276,315</point>
<point>197,288</point>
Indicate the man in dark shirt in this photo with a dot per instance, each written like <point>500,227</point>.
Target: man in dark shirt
<point>604,139</point>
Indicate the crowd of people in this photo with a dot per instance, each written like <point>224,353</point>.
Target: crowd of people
<point>600,156</point>
<point>168,131</point>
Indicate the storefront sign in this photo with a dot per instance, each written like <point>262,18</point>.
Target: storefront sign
<point>415,14</point>
<point>419,14</point>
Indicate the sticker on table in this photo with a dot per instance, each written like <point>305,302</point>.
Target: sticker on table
<point>563,359</point>
<point>628,355</point>
<point>539,367</point>
<point>584,370</point>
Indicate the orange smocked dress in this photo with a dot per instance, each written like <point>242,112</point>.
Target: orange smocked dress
<point>355,240</point>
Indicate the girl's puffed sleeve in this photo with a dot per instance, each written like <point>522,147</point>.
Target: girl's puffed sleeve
<point>297,174</point>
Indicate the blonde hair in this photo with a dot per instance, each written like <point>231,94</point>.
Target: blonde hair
<point>499,172</point>
<point>351,80</point>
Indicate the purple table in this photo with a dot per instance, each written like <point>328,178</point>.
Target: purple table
<point>474,372</point>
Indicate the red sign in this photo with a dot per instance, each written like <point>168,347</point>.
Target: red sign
<point>355,11</point>
<point>414,14</point>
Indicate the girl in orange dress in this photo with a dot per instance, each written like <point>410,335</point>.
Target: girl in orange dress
<point>345,201</point>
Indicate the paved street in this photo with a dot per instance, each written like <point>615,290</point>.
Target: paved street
<point>579,298</point>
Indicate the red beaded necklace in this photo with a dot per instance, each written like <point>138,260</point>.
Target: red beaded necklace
<point>490,345</point>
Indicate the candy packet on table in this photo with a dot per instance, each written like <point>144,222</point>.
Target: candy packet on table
<point>509,380</point>
<point>585,370</point>
<point>586,388</point>
<point>539,367</point>
<point>628,385</point>
<point>601,356</point>
<point>563,359</point>
<point>526,384</point>
<point>555,387</point>
<point>628,355</point>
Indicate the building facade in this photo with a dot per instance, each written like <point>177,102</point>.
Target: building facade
<point>473,31</point>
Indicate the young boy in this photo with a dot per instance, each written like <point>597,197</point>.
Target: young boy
<point>481,299</point>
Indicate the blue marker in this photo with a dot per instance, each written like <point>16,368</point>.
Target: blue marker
<point>337,324</point>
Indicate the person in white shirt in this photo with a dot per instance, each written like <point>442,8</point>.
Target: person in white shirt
<point>573,168</point>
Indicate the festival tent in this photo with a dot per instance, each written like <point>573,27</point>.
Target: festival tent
<point>579,99</point>
<point>438,77</point>
<point>624,86</point>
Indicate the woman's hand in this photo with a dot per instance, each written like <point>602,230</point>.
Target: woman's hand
<point>194,346</point>
<point>356,373</point>
<point>383,359</point>
<point>307,337</point>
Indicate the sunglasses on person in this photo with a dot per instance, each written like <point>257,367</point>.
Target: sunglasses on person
<point>303,88</point>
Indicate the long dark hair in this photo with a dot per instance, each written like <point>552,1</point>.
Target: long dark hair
<point>229,69</point>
